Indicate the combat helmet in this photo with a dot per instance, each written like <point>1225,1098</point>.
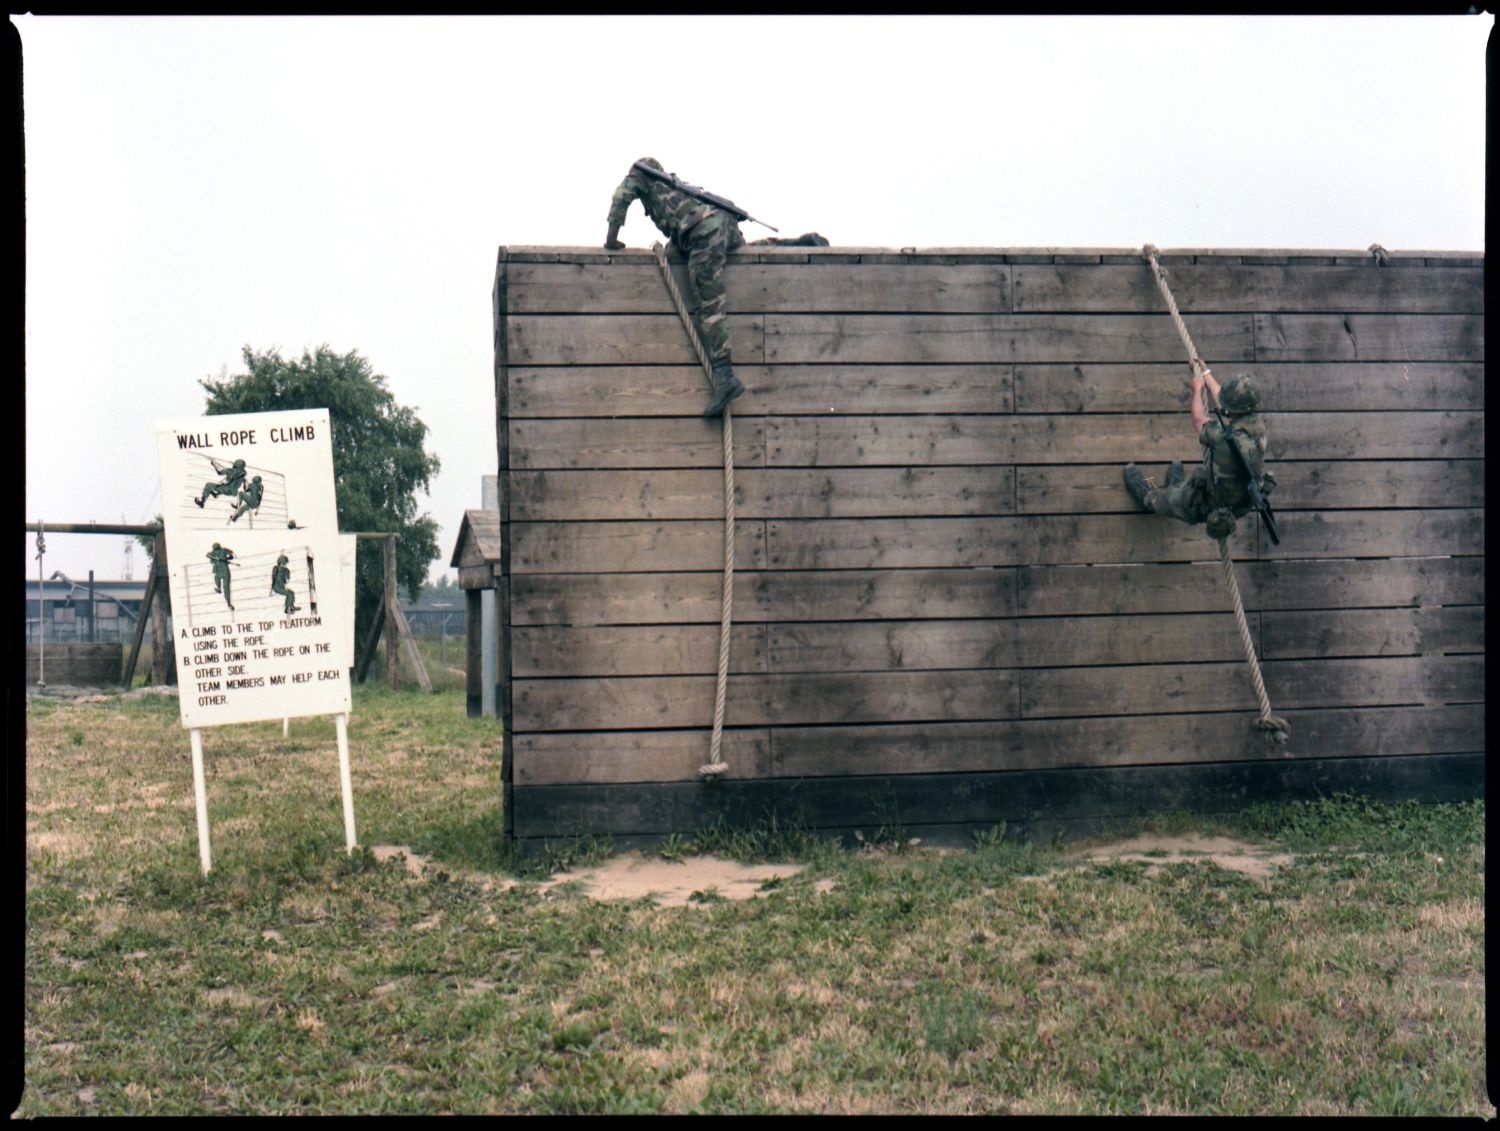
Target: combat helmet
<point>653,162</point>
<point>1239,395</point>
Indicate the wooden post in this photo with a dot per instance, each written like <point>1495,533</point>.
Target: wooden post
<point>140,628</point>
<point>398,637</point>
<point>367,653</point>
<point>473,652</point>
<point>200,799</point>
<point>392,656</point>
<point>163,654</point>
<point>346,784</point>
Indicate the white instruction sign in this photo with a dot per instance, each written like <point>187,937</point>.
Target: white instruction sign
<point>251,523</point>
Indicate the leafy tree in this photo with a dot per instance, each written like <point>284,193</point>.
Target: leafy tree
<point>378,458</point>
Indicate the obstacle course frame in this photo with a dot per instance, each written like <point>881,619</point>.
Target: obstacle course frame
<point>948,613</point>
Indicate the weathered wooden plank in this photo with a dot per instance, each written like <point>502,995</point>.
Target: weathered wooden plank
<point>1030,803</point>
<point>1319,485</point>
<point>1375,435</point>
<point>630,650</point>
<point>998,339</point>
<point>1371,534</point>
<point>685,598</point>
<point>1290,684</point>
<point>632,547</point>
<point>1226,288</point>
<point>636,756</point>
<point>1316,386</point>
<point>761,492</point>
<point>1200,587</point>
<point>1372,632</point>
<point>757,288</point>
<point>618,339</point>
<point>874,441</point>
<point>760,700</point>
<point>897,645</point>
<point>540,444</point>
<point>853,595</point>
<point>1367,337</point>
<point>676,390</point>
<point>1028,642</point>
<point>1033,744</point>
<point>924,543</point>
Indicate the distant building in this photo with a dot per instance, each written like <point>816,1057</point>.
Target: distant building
<point>436,614</point>
<point>69,615</point>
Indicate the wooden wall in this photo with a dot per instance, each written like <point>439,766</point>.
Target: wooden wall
<point>948,611</point>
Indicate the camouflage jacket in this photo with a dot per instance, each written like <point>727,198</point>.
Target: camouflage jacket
<point>671,210</point>
<point>1248,433</point>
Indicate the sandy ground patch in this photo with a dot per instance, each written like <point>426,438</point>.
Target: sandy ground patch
<point>633,876</point>
<point>1234,855</point>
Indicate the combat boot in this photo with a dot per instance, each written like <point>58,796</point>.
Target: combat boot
<point>726,386</point>
<point>1175,474</point>
<point>1138,485</point>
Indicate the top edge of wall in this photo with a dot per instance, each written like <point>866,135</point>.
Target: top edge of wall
<point>837,252</point>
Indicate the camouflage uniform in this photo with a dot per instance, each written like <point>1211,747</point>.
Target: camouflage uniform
<point>1216,482</point>
<point>221,557</point>
<point>280,575</point>
<point>248,498</point>
<point>232,479</point>
<point>703,234</point>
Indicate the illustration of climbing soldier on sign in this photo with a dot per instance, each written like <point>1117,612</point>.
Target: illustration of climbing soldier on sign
<point>287,571</point>
<point>280,575</point>
<point>249,498</point>
<point>221,557</point>
<point>231,479</point>
<point>258,495</point>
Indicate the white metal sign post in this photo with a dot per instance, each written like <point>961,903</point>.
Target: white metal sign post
<point>251,518</point>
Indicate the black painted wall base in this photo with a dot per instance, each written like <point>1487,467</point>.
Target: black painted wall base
<point>948,808</point>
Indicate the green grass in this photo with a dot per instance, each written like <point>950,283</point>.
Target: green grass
<point>1009,977</point>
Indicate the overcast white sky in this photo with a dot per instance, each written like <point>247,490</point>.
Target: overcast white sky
<point>197,184</point>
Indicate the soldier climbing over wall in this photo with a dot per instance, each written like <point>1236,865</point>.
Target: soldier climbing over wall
<point>1217,492</point>
<point>705,234</point>
<point>248,498</point>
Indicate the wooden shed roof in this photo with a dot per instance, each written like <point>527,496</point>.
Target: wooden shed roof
<point>478,539</point>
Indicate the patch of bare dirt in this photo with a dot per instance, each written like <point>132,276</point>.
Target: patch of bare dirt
<point>1234,855</point>
<point>673,884</point>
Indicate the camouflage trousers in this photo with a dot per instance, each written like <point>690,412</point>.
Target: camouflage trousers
<point>1193,500</point>
<point>707,245</point>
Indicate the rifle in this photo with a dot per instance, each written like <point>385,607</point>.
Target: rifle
<point>699,194</point>
<point>1259,503</point>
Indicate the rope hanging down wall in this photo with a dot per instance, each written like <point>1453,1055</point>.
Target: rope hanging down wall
<point>1275,727</point>
<point>715,764</point>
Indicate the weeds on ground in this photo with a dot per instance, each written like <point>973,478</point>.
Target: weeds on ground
<point>1010,977</point>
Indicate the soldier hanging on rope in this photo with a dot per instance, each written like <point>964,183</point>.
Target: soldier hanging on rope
<point>1219,490</point>
<point>231,479</point>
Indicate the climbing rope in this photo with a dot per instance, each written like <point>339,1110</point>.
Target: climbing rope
<point>715,765</point>
<point>1275,727</point>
